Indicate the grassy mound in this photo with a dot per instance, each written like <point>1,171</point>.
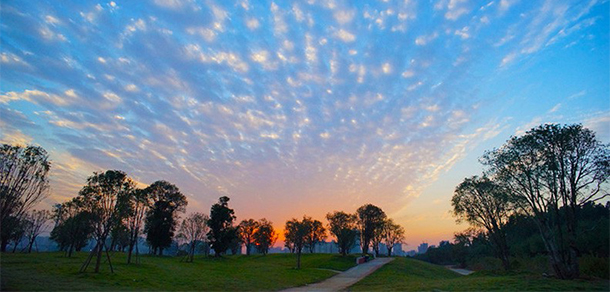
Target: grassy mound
<point>53,271</point>
<point>405,274</point>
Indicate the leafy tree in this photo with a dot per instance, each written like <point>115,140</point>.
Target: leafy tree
<point>296,233</point>
<point>317,233</point>
<point>246,230</point>
<point>370,222</point>
<point>17,231</point>
<point>103,196</point>
<point>343,227</point>
<point>194,229</point>
<point>264,236</point>
<point>222,232</point>
<point>73,226</point>
<point>162,217</point>
<point>484,203</point>
<point>36,224</point>
<point>23,183</point>
<point>392,234</point>
<point>550,171</point>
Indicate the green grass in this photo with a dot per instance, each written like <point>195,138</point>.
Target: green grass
<point>53,271</point>
<point>405,274</point>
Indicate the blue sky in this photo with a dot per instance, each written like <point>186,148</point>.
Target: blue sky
<point>294,108</point>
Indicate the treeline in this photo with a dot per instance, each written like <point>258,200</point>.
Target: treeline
<point>114,214</point>
<point>470,247</point>
<point>545,183</point>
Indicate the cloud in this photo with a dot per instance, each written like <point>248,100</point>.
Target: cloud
<point>275,106</point>
<point>345,36</point>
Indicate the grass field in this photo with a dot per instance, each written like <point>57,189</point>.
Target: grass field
<point>405,274</point>
<point>53,271</point>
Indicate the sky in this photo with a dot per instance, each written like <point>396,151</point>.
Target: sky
<point>295,108</point>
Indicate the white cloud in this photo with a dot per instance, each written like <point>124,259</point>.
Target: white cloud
<point>345,36</point>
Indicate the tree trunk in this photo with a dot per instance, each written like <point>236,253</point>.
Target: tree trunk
<point>4,244</point>
<point>31,243</point>
<point>129,251</point>
<point>99,257</point>
<point>299,259</point>
<point>389,251</point>
<point>247,248</point>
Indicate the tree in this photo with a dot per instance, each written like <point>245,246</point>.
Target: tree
<point>392,234</point>
<point>343,227</point>
<point>222,232</point>
<point>138,205</point>
<point>162,217</point>
<point>370,221</point>
<point>550,171</point>
<point>246,230</point>
<point>484,203</point>
<point>317,233</point>
<point>103,196</point>
<point>23,183</point>
<point>264,236</point>
<point>73,226</point>
<point>194,229</point>
<point>36,224</point>
<point>296,233</point>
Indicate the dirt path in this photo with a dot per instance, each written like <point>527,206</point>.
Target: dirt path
<point>345,279</point>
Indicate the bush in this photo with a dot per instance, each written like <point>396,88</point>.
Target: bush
<point>591,266</point>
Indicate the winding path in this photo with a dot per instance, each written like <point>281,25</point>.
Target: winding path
<point>344,279</point>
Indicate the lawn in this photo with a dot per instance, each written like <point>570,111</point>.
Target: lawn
<point>53,271</point>
<point>405,274</point>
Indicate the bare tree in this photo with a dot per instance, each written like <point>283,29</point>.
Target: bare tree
<point>138,205</point>
<point>36,224</point>
<point>23,183</point>
<point>103,196</point>
<point>550,171</point>
<point>392,234</point>
<point>194,229</point>
<point>246,230</point>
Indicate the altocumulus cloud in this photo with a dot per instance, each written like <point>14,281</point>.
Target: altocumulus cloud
<point>274,104</point>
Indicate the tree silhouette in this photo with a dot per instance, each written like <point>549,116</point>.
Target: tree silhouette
<point>103,196</point>
<point>23,183</point>
<point>264,236</point>
<point>247,228</point>
<point>392,234</point>
<point>484,203</point>
<point>370,221</point>
<point>73,226</point>
<point>162,216</point>
<point>317,233</point>
<point>222,232</point>
<point>553,170</point>
<point>194,229</point>
<point>296,233</point>
<point>343,227</point>
<point>36,224</point>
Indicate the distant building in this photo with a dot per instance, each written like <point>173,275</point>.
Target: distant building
<point>397,250</point>
<point>411,253</point>
<point>422,248</point>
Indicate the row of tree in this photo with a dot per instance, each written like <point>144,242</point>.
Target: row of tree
<point>546,175</point>
<point>369,225</point>
<point>114,213</point>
